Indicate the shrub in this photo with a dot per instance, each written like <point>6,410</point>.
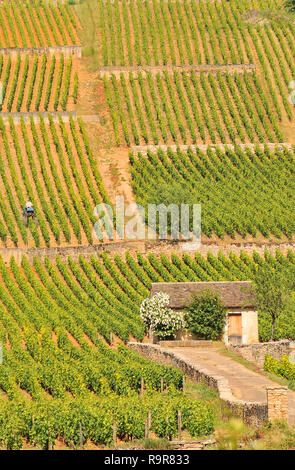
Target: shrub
<point>271,364</point>
<point>283,368</point>
<point>206,316</point>
<point>163,321</point>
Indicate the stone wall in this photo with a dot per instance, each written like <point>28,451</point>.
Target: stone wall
<point>108,71</point>
<point>65,115</point>
<point>257,351</point>
<point>143,149</point>
<point>64,252</point>
<point>277,401</point>
<point>252,413</point>
<point>66,50</point>
<point>186,343</point>
<point>144,247</point>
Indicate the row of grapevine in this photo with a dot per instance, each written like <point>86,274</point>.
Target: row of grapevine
<point>180,32</point>
<point>189,32</point>
<point>53,319</point>
<point>47,83</point>
<point>37,23</point>
<point>74,422</point>
<point>157,32</point>
<point>241,192</point>
<point>190,108</point>
<point>95,298</point>
<point>53,166</point>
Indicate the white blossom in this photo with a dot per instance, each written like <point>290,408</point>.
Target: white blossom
<point>162,320</point>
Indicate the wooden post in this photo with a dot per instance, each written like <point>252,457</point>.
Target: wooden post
<point>179,424</point>
<point>111,337</point>
<point>147,431</point>
<point>162,384</point>
<point>80,436</point>
<point>115,433</point>
<point>168,437</point>
<point>150,418</point>
<point>141,387</point>
<point>50,446</point>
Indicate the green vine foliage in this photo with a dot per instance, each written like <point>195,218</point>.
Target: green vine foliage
<point>205,317</point>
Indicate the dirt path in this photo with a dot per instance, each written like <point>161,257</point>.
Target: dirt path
<point>114,169</point>
<point>244,383</point>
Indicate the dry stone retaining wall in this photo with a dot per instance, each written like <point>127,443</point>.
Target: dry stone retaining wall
<point>143,247</point>
<point>252,413</point>
<point>66,50</point>
<point>64,252</point>
<point>143,149</point>
<point>36,116</point>
<point>108,71</point>
<point>54,114</point>
<point>256,352</point>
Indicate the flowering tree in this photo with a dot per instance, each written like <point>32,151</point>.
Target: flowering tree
<point>161,319</point>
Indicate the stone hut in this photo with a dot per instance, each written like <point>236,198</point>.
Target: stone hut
<point>242,318</point>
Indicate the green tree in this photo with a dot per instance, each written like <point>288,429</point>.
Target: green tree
<point>272,290</point>
<point>206,316</point>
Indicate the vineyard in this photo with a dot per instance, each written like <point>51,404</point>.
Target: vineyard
<point>54,347</point>
<point>97,298</point>
<point>187,108</point>
<point>180,32</point>
<point>38,83</point>
<point>241,192</point>
<point>56,320</point>
<point>69,119</point>
<point>52,165</point>
<point>34,23</point>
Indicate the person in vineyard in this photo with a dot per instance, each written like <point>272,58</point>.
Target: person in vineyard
<point>29,211</point>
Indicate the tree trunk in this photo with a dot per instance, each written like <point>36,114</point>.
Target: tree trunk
<point>272,330</point>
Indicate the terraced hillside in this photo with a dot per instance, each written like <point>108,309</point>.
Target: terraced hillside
<point>136,107</point>
<point>67,378</point>
<point>187,32</point>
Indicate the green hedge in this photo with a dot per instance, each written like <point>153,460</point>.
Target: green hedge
<point>283,368</point>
